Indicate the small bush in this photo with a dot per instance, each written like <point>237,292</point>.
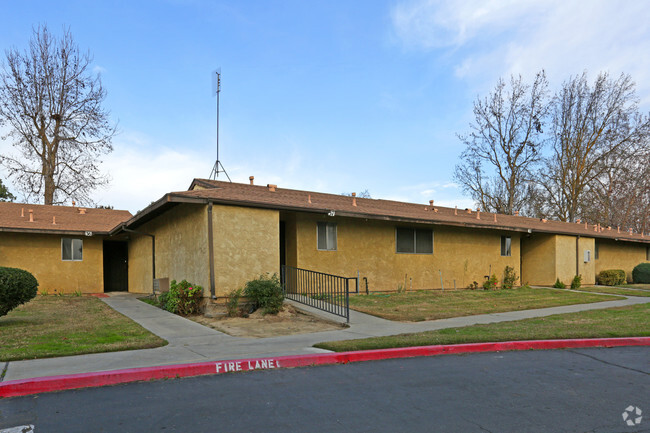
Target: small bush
<point>577,282</point>
<point>163,301</point>
<point>559,284</point>
<point>182,298</point>
<point>641,273</point>
<point>17,286</point>
<point>473,286</point>
<point>491,283</point>
<point>509,278</point>
<point>611,277</point>
<point>232,304</point>
<point>266,293</point>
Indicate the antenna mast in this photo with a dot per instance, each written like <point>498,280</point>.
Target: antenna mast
<point>216,89</point>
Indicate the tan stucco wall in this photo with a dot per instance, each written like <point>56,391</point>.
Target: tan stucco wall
<point>181,249</point>
<point>463,255</point>
<point>619,255</point>
<point>587,270</point>
<point>565,264</point>
<point>538,259</point>
<point>565,258</point>
<point>547,257</point>
<point>40,254</point>
<point>246,245</point>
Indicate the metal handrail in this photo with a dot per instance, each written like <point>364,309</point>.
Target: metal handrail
<point>325,292</point>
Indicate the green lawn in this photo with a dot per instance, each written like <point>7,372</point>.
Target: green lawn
<point>616,291</point>
<point>637,286</point>
<point>633,321</point>
<point>428,305</point>
<point>50,326</point>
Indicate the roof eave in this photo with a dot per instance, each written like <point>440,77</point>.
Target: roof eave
<point>54,232</point>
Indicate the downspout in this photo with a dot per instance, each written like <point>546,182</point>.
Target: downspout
<point>578,255</point>
<point>211,251</point>
<point>153,254</point>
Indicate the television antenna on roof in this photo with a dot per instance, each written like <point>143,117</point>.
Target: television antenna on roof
<point>216,89</point>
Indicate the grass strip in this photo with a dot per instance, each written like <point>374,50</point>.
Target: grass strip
<point>616,291</point>
<point>632,321</point>
<point>51,326</point>
<point>637,286</point>
<point>428,305</point>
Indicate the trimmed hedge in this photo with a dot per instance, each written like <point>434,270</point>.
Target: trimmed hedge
<point>611,277</point>
<point>17,286</point>
<point>641,273</point>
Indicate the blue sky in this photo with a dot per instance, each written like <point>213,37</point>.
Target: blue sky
<point>332,96</point>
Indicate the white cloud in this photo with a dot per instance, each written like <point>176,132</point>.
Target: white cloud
<point>141,174</point>
<point>497,38</point>
<point>446,23</point>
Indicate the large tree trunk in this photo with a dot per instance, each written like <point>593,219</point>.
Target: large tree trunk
<point>48,180</point>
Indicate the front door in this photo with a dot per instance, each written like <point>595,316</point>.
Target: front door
<point>116,266</point>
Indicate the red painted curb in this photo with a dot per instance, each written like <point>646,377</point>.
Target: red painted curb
<point>16,388</point>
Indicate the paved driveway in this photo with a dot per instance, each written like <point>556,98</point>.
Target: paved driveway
<point>584,390</point>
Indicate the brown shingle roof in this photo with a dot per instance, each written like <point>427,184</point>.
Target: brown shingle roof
<point>67,218</point>
<point>289,199</point>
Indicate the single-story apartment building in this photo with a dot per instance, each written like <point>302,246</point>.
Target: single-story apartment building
<point>222,234</point>
<point>67,248</point>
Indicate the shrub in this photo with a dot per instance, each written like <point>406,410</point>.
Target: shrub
<point>509,278</point>
<point>491,283</point>
<point>266,293</point>
<point>577,282</point>
<point>641,273</point>
<point>232,304</point>
<point>473,286</point>
<point>559,284</point>
<point>611,277</point>
<point>17,286</point>
<point>182,298</point>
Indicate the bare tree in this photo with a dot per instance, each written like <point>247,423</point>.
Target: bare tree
<point>504,145</point>
<point>363,194</point>
<point>621,195</point>
<point>596,130</point>
<point>52,103</point>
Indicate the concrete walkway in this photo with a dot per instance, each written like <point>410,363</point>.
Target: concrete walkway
<point>191,342</point>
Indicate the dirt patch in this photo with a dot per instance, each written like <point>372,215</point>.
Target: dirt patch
<point>289,321</point>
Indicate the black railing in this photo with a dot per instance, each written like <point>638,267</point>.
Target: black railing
<point>325,292</point>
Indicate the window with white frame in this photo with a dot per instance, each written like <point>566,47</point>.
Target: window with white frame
<point>506,246</point>
<point>72,249</point>
<point>414,241</point>
<point>326,237</point>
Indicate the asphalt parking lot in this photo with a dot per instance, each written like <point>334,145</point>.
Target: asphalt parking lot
<point>578,390</point>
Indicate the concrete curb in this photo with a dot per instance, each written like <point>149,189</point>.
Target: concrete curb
<point>103,378</point>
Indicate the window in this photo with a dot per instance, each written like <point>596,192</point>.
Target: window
<point>72,249</point>
<point>506,242</point>
<point>327,236</point>
<point>414,241</point>
<point>596,250</point>
<point>587,256</point>
<point>647,253</point>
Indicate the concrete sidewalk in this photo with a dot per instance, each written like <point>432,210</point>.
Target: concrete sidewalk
<point>191,342</point>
